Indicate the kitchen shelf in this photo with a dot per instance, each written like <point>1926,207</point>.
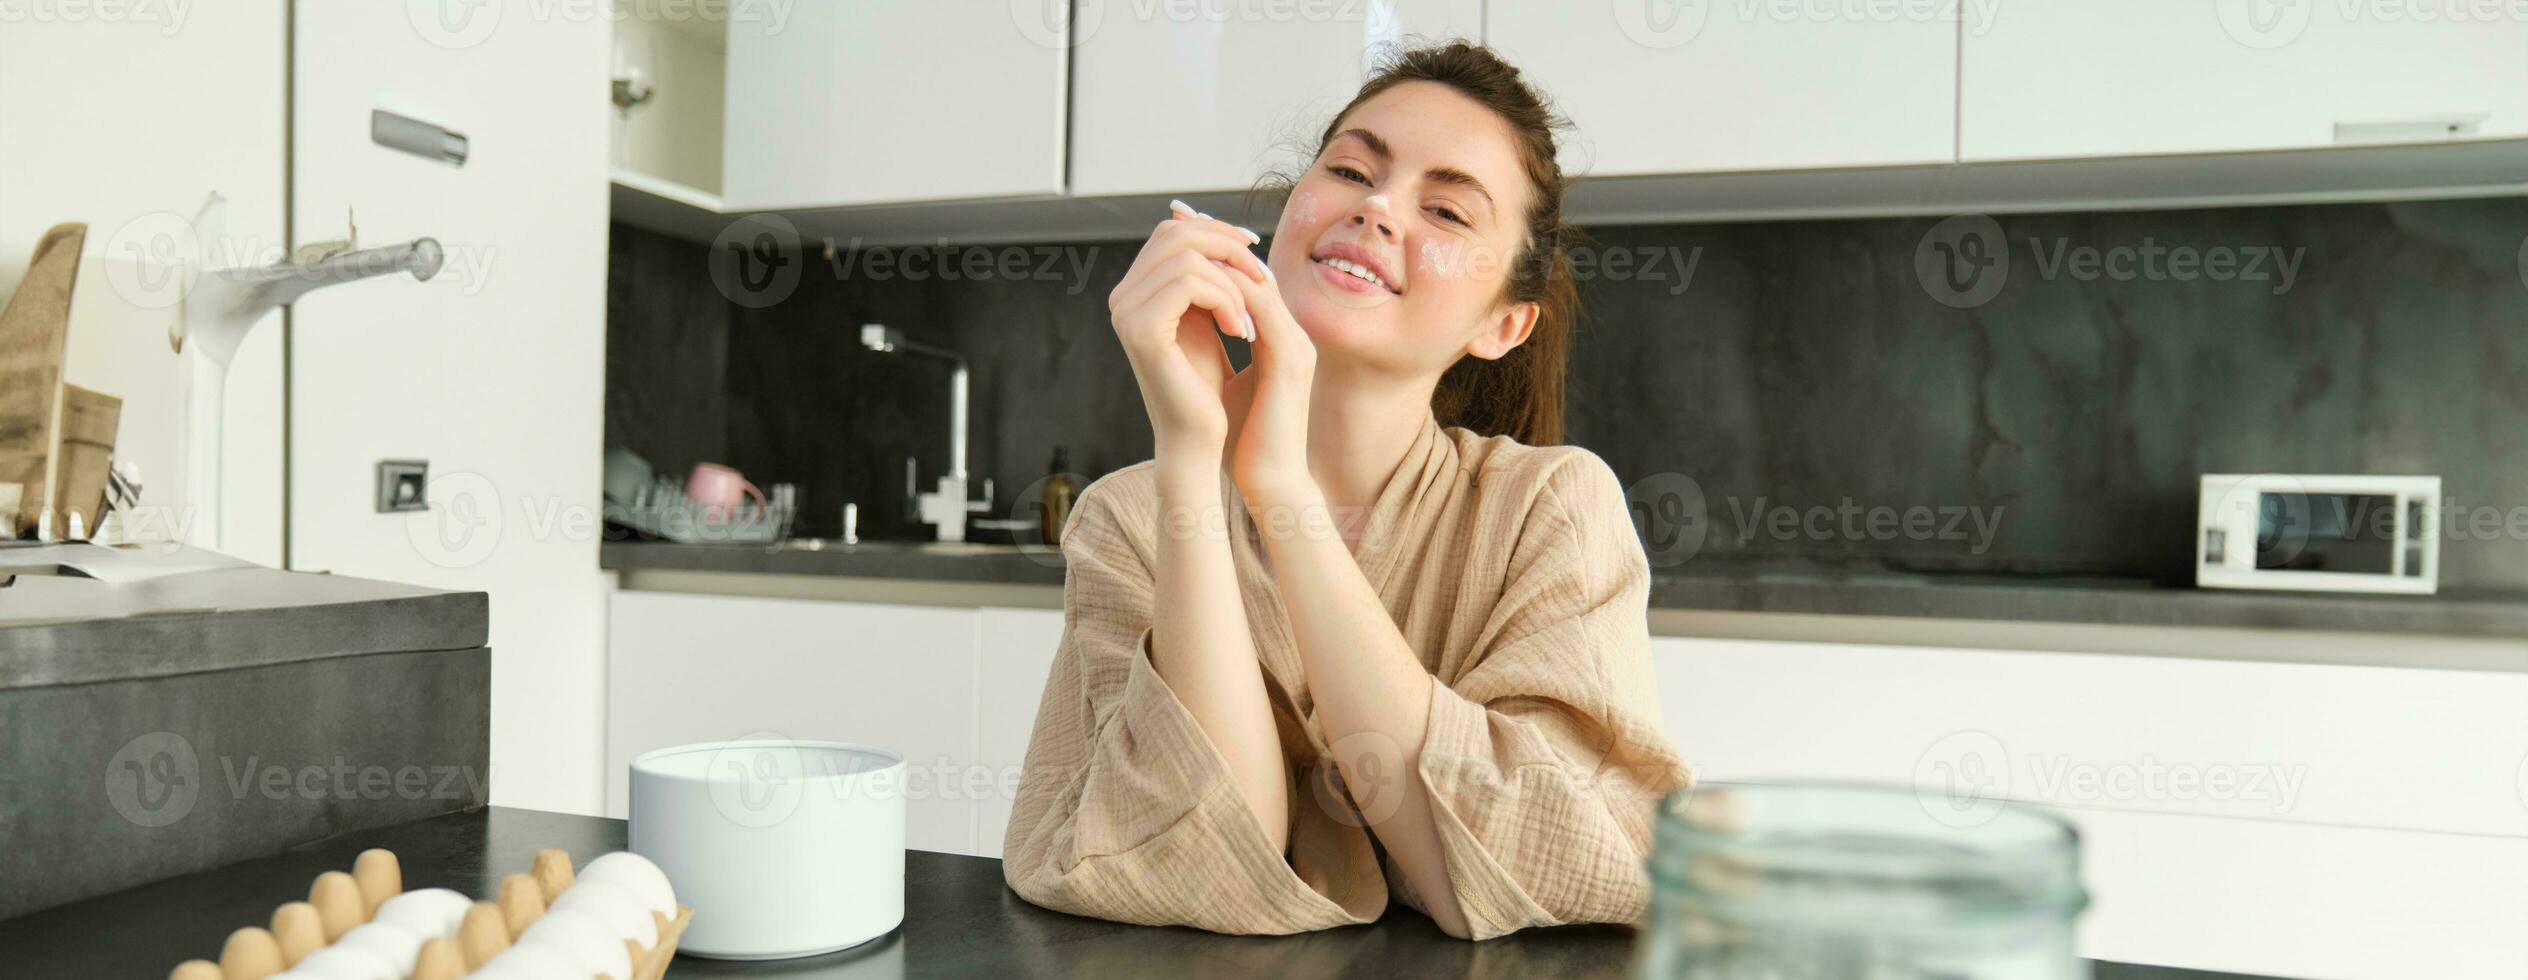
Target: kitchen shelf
<point>2417,171</point>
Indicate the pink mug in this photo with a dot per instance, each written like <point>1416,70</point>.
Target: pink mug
<point>720,491</point>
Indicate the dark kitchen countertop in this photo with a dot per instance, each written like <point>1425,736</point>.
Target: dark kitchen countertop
<point>57,627</point>
<point>960,920</point>
<point>1711,584</point>
<point>921,560</point>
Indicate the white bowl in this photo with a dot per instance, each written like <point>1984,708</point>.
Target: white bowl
<point>782,848</point>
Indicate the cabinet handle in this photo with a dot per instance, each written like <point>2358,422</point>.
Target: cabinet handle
<point>2412,129</point>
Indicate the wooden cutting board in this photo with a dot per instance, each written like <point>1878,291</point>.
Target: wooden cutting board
<point>84,459</point>
<point>34,331</point>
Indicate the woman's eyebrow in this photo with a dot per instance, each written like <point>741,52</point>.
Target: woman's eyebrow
<point>1377,146</point>
<point>1452,175</point>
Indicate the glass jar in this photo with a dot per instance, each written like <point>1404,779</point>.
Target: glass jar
<point>1833,882</point>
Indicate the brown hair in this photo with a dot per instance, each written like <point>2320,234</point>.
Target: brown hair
<point>1520,394</point>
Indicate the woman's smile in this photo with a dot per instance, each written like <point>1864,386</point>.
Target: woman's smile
<point>1354,269</point>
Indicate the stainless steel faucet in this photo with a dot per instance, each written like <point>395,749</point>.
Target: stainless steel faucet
<point>945,508</point>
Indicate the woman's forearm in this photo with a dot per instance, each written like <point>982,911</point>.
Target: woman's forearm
<point>1200,642</point>
<point>1372,695</point>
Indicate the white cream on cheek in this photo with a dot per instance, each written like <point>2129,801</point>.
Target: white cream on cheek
<point>1303,210</point>
<point>1444,257</point>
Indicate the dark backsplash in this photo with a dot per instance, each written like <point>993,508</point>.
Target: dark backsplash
<point>1800,365</point>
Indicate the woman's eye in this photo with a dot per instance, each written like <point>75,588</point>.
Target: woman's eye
<point>1448,215</point>
<point>1348,173</point>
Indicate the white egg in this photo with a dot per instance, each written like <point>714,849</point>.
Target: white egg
<point>390,941</point>
<point>638,874</point>
<point>613,905</point>
<point>540,962</point>
<point>340,962</point>
<point>582,937</point>
<point>430,913</point>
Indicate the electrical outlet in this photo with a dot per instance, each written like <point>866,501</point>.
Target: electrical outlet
<point>401,484</point>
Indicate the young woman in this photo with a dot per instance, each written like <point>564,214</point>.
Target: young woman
<point>1403,643</point>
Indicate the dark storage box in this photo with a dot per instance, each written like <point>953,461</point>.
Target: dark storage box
<point>193,720</point>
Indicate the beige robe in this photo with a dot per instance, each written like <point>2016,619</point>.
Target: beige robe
<point>1514,574</point>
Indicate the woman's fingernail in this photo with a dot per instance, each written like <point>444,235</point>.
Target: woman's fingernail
<point>1251,237</point>
<point>1181,207</point>
<point>1250,327</point>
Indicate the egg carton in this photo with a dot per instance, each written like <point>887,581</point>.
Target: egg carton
<point>338,902</point>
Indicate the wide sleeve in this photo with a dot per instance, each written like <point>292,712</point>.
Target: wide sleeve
<point>1125,811</point>
<point>1545,759</point>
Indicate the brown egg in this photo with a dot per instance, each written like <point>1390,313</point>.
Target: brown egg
<point>439,960</point>
<point>251,954</point>
<point>552,872</point>
<point>299,929</point>
<point>196,970</point>
<point>521,903</point>
<point>337,901</point>
<point>379,876</point>
<point>483,935</point>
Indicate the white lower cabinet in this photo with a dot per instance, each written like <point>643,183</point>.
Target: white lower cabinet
<point>2283,819</point>
<point>2274,818</point>
<point>1018,646</point>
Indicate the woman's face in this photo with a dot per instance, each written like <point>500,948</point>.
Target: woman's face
<point>1421,189</point>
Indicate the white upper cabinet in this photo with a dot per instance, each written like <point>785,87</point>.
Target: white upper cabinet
<point>857,103</point>
<point>2072,80</point>
<point>1659,86</point>
<point>1180,97</point>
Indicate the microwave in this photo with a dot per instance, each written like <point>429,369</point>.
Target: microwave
<point>2318,533</point>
